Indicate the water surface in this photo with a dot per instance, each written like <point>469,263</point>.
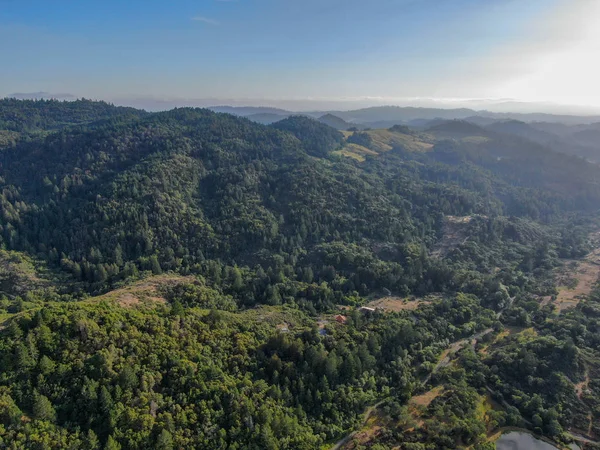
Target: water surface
<point>517,440</point>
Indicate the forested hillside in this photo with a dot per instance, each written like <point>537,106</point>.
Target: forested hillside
<point>26,119</point>
<point>46,115</point>
<point>172,280</point>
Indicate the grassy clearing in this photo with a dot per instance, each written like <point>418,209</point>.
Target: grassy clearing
<point>147,291</point>
<point>397,304</point>
<point>277,316</point>
<point>355,148</point>
<point>350,154</point>
<point>586,276</point>
<point>579,278</point>
<point>383,141</point>
<point>424,400</point>
<point>386,140</point>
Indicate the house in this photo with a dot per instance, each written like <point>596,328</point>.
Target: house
<point>341,319</point>
<point>366,310</point>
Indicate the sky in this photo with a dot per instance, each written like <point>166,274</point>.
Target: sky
<point>305,52</point>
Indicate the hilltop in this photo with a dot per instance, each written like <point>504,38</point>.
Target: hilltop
<point>51,115</point>
<point>335,122</point>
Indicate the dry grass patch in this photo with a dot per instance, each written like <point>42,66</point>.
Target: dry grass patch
<point>586,275</point>
<point>147,291</point>
<point>424,400</point>
<point>382,141</point>
<point>360,149</point>
<point>396,304</point>
<point>349,154</point>
<point>581,276</point>
<point>386,140</point>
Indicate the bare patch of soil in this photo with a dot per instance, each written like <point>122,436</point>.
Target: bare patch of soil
<point>128,300</point>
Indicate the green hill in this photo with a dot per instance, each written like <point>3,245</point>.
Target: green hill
<point>335,122</point>
<point>47,115</point>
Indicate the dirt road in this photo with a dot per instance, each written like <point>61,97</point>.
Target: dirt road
<point>339,444</point>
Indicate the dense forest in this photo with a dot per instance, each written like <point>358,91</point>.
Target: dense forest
<point>245,252</point>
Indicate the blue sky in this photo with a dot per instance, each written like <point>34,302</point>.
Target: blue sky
<point>290,49</point>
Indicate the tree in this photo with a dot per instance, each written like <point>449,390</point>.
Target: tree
<point>128,378</point>
<point>91,441</point>
<point>155,265</point>
<point>112,444</point>
<point>118,255</point>
<point>177,309</point>
<point>43,409</point>
<point>164,441</point>
<point>236,279</point>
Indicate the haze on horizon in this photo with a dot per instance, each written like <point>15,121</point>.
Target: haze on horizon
<point>310,53</point>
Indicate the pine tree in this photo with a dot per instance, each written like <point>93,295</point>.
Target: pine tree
<point>91,441</point>
<point>236,279</point>
<point>112,444</point>
<point>155,265</point>
<point>164,441</point>
<point>118,255</point>
<point>43,409</point>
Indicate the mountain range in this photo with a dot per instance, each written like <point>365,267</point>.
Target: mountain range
<point>386,116</point>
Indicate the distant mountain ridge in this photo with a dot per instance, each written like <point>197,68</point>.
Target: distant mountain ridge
<point>387,116</point>
<point>249,110</point>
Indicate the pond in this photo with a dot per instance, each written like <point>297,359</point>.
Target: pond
<point>516,440</point>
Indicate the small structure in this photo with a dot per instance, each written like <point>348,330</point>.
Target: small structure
<point>341,319</point>
<point>283,328</point>
<point>366,310</point>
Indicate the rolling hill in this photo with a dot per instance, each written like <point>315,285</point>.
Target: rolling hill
<point>336,122</point>
<point>192,279</point>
